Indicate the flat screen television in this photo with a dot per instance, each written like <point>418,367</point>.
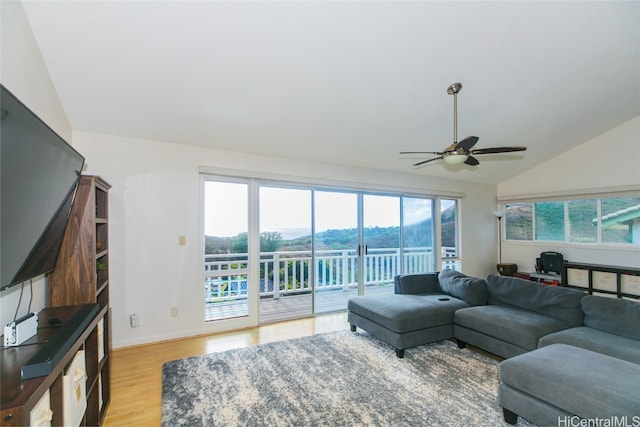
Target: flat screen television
<point>39,175</point>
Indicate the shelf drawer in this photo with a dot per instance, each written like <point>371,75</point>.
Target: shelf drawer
<point>578,277</point>
<point>630,284</point>
<point>100,340</point>
<point>603,281</point>
<point>74,391</point>
<point>41,414</point>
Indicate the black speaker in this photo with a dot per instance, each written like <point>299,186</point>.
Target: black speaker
<point>551,262</point>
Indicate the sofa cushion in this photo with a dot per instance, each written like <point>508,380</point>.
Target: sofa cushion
<point>596,340</point>
<point>417,283</point>
<point>555,301</point>
<point>613,315</point>
<point>472,290</point>
<point>406,313</point>
<point>581,382</point>
<point>519,327</point>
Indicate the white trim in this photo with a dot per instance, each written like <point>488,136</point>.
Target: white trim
<point>618,191</point>
<point>437,234</point>
<point>324,182</point>
<point>607,246</point>
<point>254,251</point>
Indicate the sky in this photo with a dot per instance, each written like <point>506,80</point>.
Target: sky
<point>226,207</point>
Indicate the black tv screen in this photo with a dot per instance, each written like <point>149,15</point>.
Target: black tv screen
<point>39,174</point>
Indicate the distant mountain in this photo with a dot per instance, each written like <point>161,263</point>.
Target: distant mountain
<point>292,233</point>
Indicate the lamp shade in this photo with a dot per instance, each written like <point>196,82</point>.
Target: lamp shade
<point>455,159</point>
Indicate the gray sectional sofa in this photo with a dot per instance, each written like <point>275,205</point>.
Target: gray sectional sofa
<point>566,353</point>
<point>418,313</point>
<point>516,315</point>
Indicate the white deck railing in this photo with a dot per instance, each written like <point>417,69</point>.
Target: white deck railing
<point>334,269</point>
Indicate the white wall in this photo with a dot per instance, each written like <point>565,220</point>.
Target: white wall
<point>155,198</point>
<point>606,163</point>
<point>23,72</point>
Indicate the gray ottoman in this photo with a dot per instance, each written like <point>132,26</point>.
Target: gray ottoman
<point>554,383</point>
<point>405,321</point>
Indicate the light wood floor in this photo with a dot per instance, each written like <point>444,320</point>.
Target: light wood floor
<point>136,381</point>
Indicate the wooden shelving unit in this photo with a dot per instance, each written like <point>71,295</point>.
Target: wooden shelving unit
<point>81,277</point>
<point>605,280</point>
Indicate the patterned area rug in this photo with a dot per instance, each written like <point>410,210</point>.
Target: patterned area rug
<point>333,379</point>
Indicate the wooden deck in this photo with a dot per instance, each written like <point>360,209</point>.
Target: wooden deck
<point>291,306</point>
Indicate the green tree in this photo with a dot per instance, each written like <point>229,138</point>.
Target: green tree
<point>270,241</point>
<point>240,243</point>
<point>217,245</point>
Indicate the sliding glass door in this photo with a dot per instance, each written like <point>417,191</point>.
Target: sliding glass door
<point>273,252</point>
<point>417,235</point>
<point>226,250</point>
<point>449,251</point>
<point>336,243</point>
<point>285,253</point>
<point>380,248</point>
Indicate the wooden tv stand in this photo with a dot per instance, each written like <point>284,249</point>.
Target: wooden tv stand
<point>19,397</point>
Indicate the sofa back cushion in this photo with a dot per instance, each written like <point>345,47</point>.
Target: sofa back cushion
<point>616,316</point>
<point>555,301</point>
<point>416,284</point>
<point>471,290</point>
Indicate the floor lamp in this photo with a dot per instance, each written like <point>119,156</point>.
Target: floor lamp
<point>505,269</point>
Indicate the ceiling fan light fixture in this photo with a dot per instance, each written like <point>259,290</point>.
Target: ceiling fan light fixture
<point>455,158</point>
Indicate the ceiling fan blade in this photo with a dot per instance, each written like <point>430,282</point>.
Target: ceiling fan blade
<point>471,161</point>
<point>494,150</point>
<point>427,161</point>
<point>402,153</point>
<point>467,143</point>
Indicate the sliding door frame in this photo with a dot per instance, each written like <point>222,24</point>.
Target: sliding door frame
<point>256,180</point>
<point>253,250</point>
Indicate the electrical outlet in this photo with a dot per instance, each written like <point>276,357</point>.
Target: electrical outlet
<point>134,320</point>
<point>174,311</point>
<point>182,240</point>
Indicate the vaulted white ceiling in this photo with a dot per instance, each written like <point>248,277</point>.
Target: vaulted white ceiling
<point>347,82</point>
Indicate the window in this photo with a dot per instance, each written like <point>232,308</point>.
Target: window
<point>549,220</point>
<point>620,220</point>
<point>519,221</point>
<point>417,235</point>
<point>582,229</point>
<point>450,254</point>
<point>226,249</point>
<point>589,221</point>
